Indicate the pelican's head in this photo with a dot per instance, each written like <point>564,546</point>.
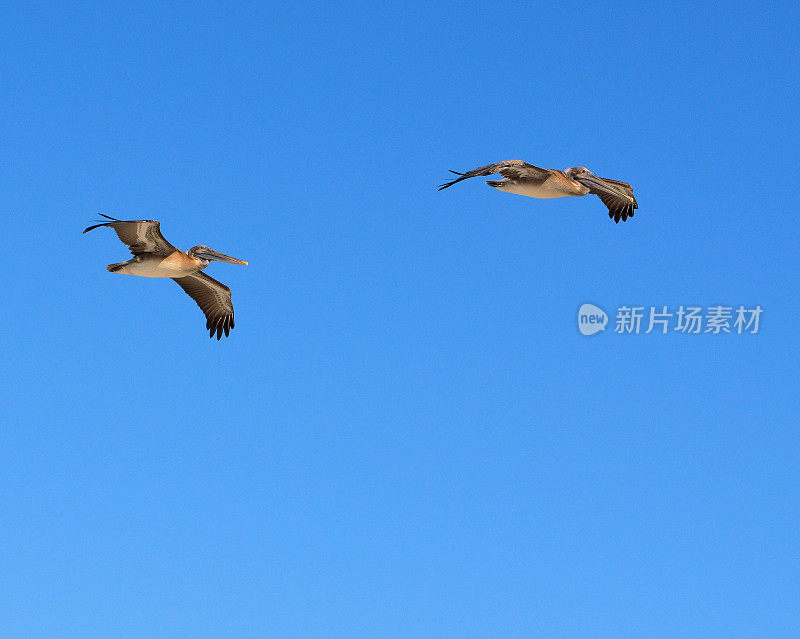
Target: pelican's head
<point>578,171</point>
<point>206,255</point>
<point>584,176</point>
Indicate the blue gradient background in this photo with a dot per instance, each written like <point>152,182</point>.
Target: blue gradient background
<point>405,435</point>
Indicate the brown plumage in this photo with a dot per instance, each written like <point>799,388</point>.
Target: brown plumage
<point>533,181</point>
<point>153,256</point>
<point>213,298</point>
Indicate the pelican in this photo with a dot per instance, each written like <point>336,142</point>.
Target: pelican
<point>153,256</point>
<point>525,179</point>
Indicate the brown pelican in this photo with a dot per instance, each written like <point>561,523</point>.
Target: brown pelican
<point>525,179</point>
<point>153,256</point>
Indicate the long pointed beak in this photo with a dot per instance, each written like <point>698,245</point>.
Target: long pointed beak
<point>221,257</point>
<point>592,181</point>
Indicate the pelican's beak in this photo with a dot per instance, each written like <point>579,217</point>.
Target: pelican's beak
<point>592,181</point>
<point>211,254</point>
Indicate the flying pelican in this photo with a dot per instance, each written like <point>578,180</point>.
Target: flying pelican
<point>525,179</point>
<point>153,256</point>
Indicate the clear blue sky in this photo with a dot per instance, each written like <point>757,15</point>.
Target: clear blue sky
<point>405,435</point>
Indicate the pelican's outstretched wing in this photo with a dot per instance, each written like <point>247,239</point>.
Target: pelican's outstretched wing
<point>616,195</point>
<point>213,298</point>
<point>512,169</point>
<point>141,236</point>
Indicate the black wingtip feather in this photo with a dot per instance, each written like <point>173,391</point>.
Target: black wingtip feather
<point>94,226</point>
<point>108,217</point>
<point>622,213</point>
<point>446,184</point>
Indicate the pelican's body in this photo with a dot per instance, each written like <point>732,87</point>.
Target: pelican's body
<point>153,256</point>
<point>526,179</point>
<point>554,185</point>
<point>176,264</point>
